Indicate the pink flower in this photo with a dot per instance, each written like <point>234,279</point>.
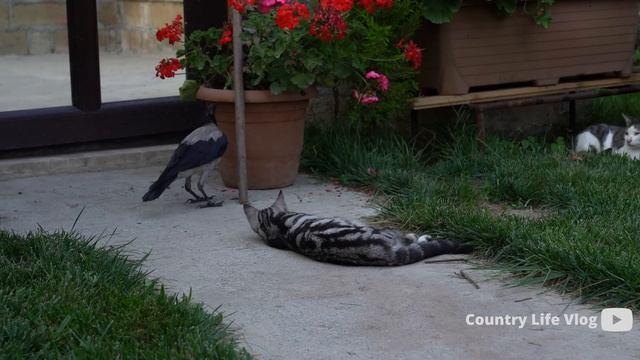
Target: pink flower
<point>265,6</point>
<point>369,99</point>
<point>372,75</point>
<point>383,80</point>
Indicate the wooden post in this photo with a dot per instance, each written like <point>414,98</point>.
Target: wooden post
<point>480,123</point>
<point>238,86</point>
<point>84,58</point>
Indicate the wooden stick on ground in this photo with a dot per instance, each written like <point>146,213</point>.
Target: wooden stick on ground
<point>464,275</point>
<point>445,260</point>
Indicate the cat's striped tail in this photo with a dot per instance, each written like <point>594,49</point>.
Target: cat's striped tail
<point>424,247</point>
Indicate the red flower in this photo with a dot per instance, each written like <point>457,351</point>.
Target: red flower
<point>172,31</point>
<point>328,25</point>
<point>226,35</point>
<point>167,68</point>
<point>368,5</point>
<point>288,15</point>
<point>412,53</point>
<point>371,6</point>
<point>241,5</point>
<point>338,5</point>
<point>384,3</point>
<point>265,6</point>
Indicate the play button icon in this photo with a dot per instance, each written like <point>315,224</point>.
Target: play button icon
<point>616,319</point>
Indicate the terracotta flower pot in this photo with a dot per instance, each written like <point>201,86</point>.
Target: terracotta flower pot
<point>480,48</point>
<point>274,127</point>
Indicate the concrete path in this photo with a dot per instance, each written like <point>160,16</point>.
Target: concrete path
<point>290,307</point>
<point>123,77</point>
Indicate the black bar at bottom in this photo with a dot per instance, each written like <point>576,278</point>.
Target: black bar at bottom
<point>572,117</point>
<point>118,120</point>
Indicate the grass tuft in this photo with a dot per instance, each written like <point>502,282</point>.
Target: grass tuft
<point>61,295</point>
<point>586,241</point>
<point>609,109</point>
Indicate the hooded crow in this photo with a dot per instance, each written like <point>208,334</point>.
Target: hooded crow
<point>198,154</point>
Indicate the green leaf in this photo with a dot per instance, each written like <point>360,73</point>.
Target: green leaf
<point>544,20</point>
<point>277,88</point>
<point>342,70</point>
<point>188,90</point>
<point>440,11</point>
<point>302,80</point>
<point>198,62</point>
<point>312,59</point>
<point>506,7</point>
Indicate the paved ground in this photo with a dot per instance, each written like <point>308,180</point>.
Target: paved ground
<point>43,80</point>
<point>289,307</point>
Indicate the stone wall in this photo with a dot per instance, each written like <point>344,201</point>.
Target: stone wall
<point>35,27</point>
<point>32,27</point>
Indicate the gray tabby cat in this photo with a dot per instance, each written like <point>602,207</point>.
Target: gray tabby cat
<point>604,137</point>
<point>343,242</point>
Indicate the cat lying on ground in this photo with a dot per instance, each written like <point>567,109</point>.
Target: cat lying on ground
<point>620,140</point>
<point>343,242</point>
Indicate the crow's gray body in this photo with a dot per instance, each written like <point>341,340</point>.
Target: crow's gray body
<point>197,154</point>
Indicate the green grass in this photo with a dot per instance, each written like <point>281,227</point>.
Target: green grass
<point>587,243</point>
<point>61,296</point>
<point>609,109</point>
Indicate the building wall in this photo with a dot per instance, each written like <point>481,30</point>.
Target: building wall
<point>35,27</point>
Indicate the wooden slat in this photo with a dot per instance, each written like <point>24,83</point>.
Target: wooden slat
<point>559,36</point>
<point>431,102</point>
<point>567,31</point>
<point>550,73</point>
<point>562,12</point>
<point>515,49</point>
<point>529,60</point>
<point>546,65</point>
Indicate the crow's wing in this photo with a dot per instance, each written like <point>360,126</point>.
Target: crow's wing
<point>202,152</point>
<point>187,156</point>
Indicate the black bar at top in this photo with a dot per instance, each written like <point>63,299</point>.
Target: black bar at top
<point>203,14</point>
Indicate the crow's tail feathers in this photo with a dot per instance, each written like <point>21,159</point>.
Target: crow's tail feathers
<point>159,186</point>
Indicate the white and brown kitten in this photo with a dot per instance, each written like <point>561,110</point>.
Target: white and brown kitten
<point>340,241</point>
<point>604,137</point>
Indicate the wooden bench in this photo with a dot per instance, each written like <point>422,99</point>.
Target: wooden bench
<point>479,102</point>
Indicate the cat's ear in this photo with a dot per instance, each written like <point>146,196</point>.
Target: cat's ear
<point>280,205</point>
<point>629,120</point>
<point>252,216</point>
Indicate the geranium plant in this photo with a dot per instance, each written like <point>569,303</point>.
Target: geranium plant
<point>290,45</point>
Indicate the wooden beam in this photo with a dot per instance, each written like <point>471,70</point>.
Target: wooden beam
<point>431,102</point>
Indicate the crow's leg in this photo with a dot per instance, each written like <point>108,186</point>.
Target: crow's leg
<point>210,199</point>
<point>187,186</point>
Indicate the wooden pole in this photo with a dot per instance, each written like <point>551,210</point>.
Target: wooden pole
<point>238,86</point>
